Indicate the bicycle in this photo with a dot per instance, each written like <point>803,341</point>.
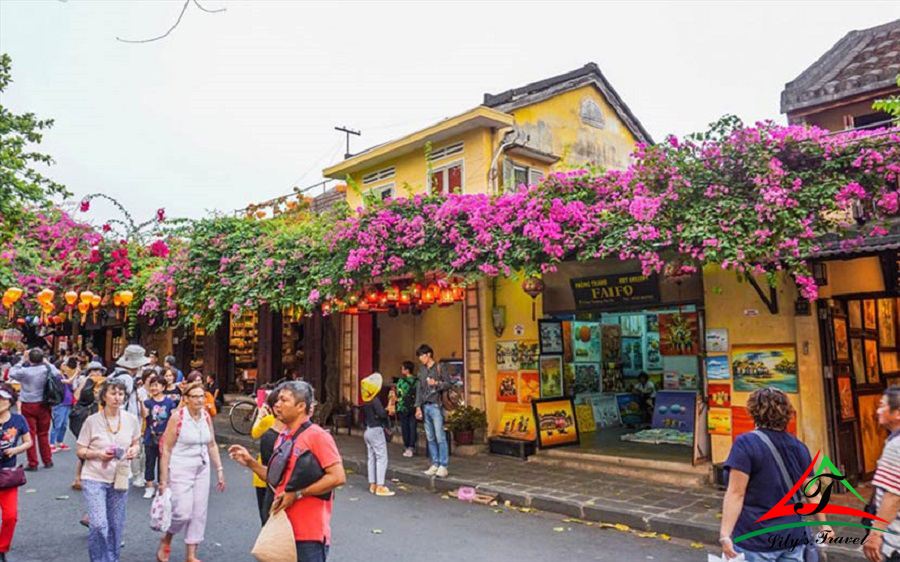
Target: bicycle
<point>242,414</point>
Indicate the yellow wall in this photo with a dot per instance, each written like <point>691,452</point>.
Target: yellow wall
<point>726,301</point>
<point>861,275</point>
<point>555,126</point>
<point>441,328</point>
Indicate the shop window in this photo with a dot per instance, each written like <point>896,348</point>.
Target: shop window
<point>447,180</point>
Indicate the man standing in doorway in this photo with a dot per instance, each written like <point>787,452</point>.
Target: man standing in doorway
<point>430,410</point>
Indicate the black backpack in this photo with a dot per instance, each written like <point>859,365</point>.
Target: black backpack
<point>54,390</point>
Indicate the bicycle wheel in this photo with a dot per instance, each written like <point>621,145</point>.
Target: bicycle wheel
<point>241,417</point>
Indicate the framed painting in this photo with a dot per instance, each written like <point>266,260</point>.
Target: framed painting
<point>517,422</point>
<point>550,335</point>
<point>653,361</point>
<point>527,353</point>
<point>887,332</point>
<point>854,315</point>
<point>612,342</point>
<point>841,346</point>
<point>586,342</point>
<point>717,368</point>
<point>604,406</point>
<point>556,422</point>
<point>742,422</point>
<point>679,334</point>
<point>652,323</point>
<point>869,314</point>
<point>717,340</point>
<point>632,356</point>
<point>507,356</point>
<point>674,409</point>
<point>889,362</point>
<point>587,378</point>
<point>858,360</point>
<point>585,415</point>
<point>760,366</point>
<point>529,386</point>
<point>719,395</point>
<point>870,351</point>
<point>845,393</point>
<point>551,369</point>
<point>630,412</point>
<point>507,386</point>
<point>568,353</point>
<point>719,421</point>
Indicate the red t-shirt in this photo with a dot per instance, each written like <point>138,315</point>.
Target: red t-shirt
<point>310,517</point>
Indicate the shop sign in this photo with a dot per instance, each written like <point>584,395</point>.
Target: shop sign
<point>612,291</point>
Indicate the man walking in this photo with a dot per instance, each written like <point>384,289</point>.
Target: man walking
<point>430,409</point>
<point>308,506</point>
<point>32,374</point>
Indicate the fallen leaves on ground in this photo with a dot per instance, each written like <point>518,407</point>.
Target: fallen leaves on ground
<point>376,531</point>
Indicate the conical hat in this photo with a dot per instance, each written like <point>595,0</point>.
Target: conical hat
<point>370,386</point>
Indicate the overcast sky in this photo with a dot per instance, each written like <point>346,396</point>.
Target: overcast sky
<point>237,107</point>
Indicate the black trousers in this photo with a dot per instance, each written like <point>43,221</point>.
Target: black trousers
<point>408,429</point>
<point>151,462</point>
<point>264,500</point>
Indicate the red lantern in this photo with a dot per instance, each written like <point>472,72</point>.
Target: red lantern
<point>405,298</point>
<point>326,308</point>
<point>373,295</point>
<point>415,291</point>
<point>364,306</point>
<point>446,297</point>
<point>459,293</point>
<point>392,293</point>
<point>533,286</point>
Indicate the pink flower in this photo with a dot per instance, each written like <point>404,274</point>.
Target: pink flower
<point>159,249</point>
<point>160,215</point>
<point>85,205</point>
<point>106,227</point>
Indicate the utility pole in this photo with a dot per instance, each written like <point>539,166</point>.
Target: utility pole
<point>348,132</point>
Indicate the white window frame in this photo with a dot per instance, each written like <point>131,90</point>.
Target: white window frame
<point>447,150</point>
<point>379,175</point>
<point>462,174</point>
<point>510,167</point>
<point>381,189</point>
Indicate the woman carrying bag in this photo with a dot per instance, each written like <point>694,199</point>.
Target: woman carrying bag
<point>376,419</point>
<point>13,429</point>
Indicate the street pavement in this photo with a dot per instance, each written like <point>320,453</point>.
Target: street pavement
<point>415,524</point>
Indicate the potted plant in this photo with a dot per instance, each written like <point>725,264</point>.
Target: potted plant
<point>464,422</point>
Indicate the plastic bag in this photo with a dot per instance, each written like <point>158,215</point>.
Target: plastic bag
<point>275,542</point>
<point>161,511</point>
<point>714,558</point>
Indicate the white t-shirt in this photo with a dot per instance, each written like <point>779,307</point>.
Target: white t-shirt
<point>646,388</point>
<point>98,434</point>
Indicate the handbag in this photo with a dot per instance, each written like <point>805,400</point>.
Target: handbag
<point>161,511</point>
<point>275,542</point>
<point>810,550</point>
<point>123,472</point>
<point>12,477</point>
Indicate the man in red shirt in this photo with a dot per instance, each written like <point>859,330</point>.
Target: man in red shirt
<point>310,515</point>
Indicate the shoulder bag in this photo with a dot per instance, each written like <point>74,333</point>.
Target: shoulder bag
<point>810,551</point>
<point>54,391</point>
<point>12,477</point>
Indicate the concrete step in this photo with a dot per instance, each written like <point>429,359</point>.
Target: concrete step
<point>663,472</point>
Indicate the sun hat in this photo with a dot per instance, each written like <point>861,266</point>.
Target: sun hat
<point>94,366</point>
<point>134,357</point>
<point>370,386</point>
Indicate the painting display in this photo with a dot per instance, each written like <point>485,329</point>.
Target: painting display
<point>506,356</point>
<point>584,413</point>
<point>869,314</point>
<point>586,342</point>
<point>845,393</point>
<point>887,333</point>
<point>630,408</point>
<point>679,333</point>
<point>653,361</point>
<point>550,337</point>
<point>568,379</point>
<point>632,325</point>
<point>742,422</point>
<point>675,410</point>
<point>717,368</point>
<point>632,356</point>
<point>764,365</point>
<point>889,362</point>
<point>718,421</point>
<point>670,380</point>
<point>841,346</point>
<point>508,386</point>
<point>556,422</point>
<point>517,422</point>
<point>719,395</point>
<point>717,340</point>
<point>529,386</point>
<point>605,408</point>
<point>687,381</point>
<point>587,378</point>
<point>859,362</point>
<point>551,369</point>
<point>612,341</point>
<point>870,350</point>
<point>515,355</point>
<point>652,323</point>
<point>854,315</point>
<point>568,354</point>
<point>527,353</point>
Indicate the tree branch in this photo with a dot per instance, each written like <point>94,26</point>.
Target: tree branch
<point>171,29</point>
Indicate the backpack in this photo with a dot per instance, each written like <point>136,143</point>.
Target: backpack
<point>54,390</point>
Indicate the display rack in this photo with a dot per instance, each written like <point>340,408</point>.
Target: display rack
<point>243,339</point>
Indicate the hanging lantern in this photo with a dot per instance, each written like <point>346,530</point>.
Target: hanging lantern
<point>415,291</point>
<point>352,311</point>
<point>117,299</point>
<point>428,297</point>
<point>71,297</point>
<point>533,286</point>
<point>127,297</point>
<point>363,306</point>
<point>405,298</point>
<point>86,297</point>
<point>95,300</point>
<point>372,295</point>
<point>392,293</point>
<point>83,308</point>
<point>446,297</point>
<point>326,308</point>
<point>459,293</point>
<point>14,293</point>
<point>383,300</point>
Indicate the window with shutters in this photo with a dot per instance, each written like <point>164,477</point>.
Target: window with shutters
<point>445,151</point>
<point>379,175</point>
<point>515,175</point>
<point>383,192</point>
<point>447,179</point>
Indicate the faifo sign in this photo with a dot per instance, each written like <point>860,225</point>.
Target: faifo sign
<point>612,291</point>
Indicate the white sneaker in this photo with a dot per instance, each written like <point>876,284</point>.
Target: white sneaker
<point>139,483</point>
<point>432,471</point>
<point>148,493</point>
<point>441,472</point>
<point>408,453</point>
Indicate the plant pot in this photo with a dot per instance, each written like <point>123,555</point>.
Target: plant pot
<point>464,437</point>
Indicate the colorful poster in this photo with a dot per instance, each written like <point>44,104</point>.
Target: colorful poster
<point>551,369</point>
<point>848,412</point>
<point>507,386</point>
<point>551,337</point>
<point>653,361</point>
<point>568,353</point>
<point>612,342</point>
<point>517,422</point>
<point>719,421</point>
<point>630,408</point>
<point>716,340</point>
<point>556,422</point>
<point>675,410</point>
<point>587,378</point>
<point>764,365</point>
<point>652,323</point>
<point>569,379</point>
<point>529,386</point>
<point>632,356</point>
<point>687,381</point>
<point>719,396</point>
<point>717,368</point>
<point>742,422</point>
<point>632,325</point>
<point>670,380</point>
<point>605,408</point>
<point>679,333</point>
<point>585,415</point>
<point>527,353</point>
<point>586,342</point>
<point>506,356</point>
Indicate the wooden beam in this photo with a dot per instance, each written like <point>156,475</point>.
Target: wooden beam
<point>771,301</point>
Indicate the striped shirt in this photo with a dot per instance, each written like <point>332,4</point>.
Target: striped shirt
<point>887,479</point>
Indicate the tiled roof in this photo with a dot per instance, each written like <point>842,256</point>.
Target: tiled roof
<point>861,62</point>
<point>831,246</point>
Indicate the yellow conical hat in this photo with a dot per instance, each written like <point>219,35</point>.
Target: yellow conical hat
<point>371,385</point>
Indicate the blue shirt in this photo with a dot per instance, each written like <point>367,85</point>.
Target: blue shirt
<point>179,376</point>
<point>10,434</point>
<point>766,486</point>
<point>158,414</point>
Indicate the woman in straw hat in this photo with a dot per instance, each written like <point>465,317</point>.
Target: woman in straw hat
<point>375,417</point>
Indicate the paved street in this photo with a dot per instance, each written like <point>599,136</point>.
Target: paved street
<point>415,521</point>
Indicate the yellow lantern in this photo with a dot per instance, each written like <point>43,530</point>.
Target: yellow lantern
<point>86,297</point>
<point>14,294</point>
<point>71,297</point>
<point>95,300</point>
<point>127,297</point>
<point>83,308</point>
<point>117,300</point>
